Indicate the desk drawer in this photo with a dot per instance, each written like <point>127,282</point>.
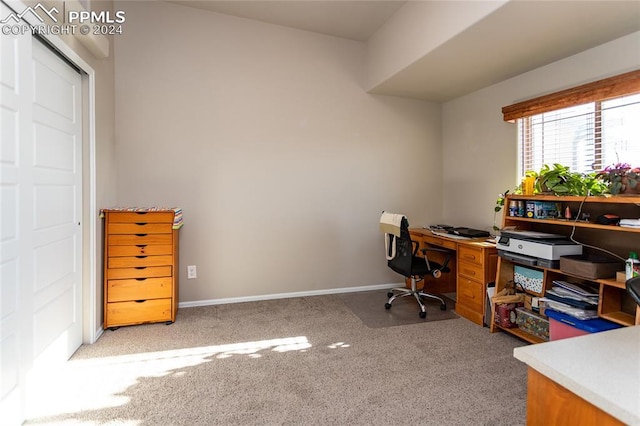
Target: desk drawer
<point>140,261</point>
<point>138,289</point>
<point>140,250</point>
<point>440,242</point>
<point>149,217</point>
<point>470,254</point>
<point>470,293</point>
<point>141,239</point>
<point>144,272</point>
<point>471,270</point>
<point>139,228</point>
<point>138,312</point>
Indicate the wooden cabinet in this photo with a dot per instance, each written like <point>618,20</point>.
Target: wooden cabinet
<point>472,266</point>
<point>140,267</point>
<point>614,304</point>
<point>476,268</point>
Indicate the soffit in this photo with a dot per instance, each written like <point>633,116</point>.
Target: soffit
<point>518,37</point>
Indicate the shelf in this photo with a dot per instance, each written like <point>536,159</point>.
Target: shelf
<point>612,283</point>
<point>614,303</point>
<point>521,334</point>
<point>621,318</point>
<point>601,199</point>
<point>572,223</point>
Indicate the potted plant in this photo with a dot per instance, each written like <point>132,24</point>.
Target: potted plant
<point>560,180</point>
<point>621,178</point>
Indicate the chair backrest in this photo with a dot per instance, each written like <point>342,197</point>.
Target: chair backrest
<point>633,288</point>
<point>401,262</point>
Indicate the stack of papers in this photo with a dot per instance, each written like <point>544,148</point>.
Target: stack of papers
<point>630,223</point>
<point>576,300</point>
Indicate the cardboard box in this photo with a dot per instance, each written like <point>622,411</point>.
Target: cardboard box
<point>591,267</point>
<point>532,303</point>
<point>545,210</point>
<point>528,279</point>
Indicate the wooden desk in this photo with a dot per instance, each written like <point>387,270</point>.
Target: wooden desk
<point>473,265</point>
<point>590,380</point>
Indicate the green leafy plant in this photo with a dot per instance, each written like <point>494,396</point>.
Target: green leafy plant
<point>560,180</point>
<point>499,205</point>
<point>557,180</point>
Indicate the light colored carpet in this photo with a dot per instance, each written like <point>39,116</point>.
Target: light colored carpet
<point>299,361</point>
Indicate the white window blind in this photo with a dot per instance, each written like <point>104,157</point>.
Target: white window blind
<point>585,137</point>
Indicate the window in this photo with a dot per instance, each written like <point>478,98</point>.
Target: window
<point>585,128</point>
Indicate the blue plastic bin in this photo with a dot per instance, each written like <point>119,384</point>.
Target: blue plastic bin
<point>562,326</point>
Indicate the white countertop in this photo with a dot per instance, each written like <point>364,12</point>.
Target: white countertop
<point>602,368</point>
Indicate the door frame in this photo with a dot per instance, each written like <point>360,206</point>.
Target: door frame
<point>91,327</point>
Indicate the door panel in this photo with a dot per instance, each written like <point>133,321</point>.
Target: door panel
<point>57,209</point>
<point>40,229</point>
<point>15,119</point>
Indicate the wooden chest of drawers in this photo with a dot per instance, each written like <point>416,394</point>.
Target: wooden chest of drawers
<point>140,267</point>
<point>476,268</point>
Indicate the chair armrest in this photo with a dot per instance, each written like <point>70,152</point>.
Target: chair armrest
<point>446,260</point>
<point>414,250</point>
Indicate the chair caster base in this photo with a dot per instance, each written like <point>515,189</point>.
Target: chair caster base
<point>443,307</point>
<point>423,315</point>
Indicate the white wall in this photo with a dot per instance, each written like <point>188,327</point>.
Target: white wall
<point>267,140</point>
<point>480,149</point>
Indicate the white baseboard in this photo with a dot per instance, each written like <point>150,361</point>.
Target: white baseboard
<point>286,295</point>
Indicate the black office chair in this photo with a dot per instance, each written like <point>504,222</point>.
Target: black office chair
<point>633,288</point>
<point>405,261</point>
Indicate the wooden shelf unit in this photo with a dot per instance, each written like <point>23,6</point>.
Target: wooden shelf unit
<point>615,304</point>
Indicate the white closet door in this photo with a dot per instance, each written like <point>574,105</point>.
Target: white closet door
<point>15,121</point>
<point>56,193</point>
<point>41,233</point>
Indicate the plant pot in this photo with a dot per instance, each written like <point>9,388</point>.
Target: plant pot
<point>628,190</point>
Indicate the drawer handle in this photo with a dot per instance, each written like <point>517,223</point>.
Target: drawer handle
<point>141,279</point>
<point>141,223</point>
<point>470,272</point>
<point>141,257</point>
<point>140,301</point>
<point>470,256</point>
<point>141,245</point>
<point>141,235</point>
<point>140,267</point>
<point>142,212</point>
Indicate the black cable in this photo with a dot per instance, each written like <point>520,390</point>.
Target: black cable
<point>573,230</point>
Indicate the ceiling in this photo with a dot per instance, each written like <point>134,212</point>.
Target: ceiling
<point>518,37</point>
<point>354,20</point>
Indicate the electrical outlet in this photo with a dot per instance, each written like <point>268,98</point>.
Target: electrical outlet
<point>192,272</point>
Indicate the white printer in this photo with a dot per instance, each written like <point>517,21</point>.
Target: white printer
<point>533,248</point>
